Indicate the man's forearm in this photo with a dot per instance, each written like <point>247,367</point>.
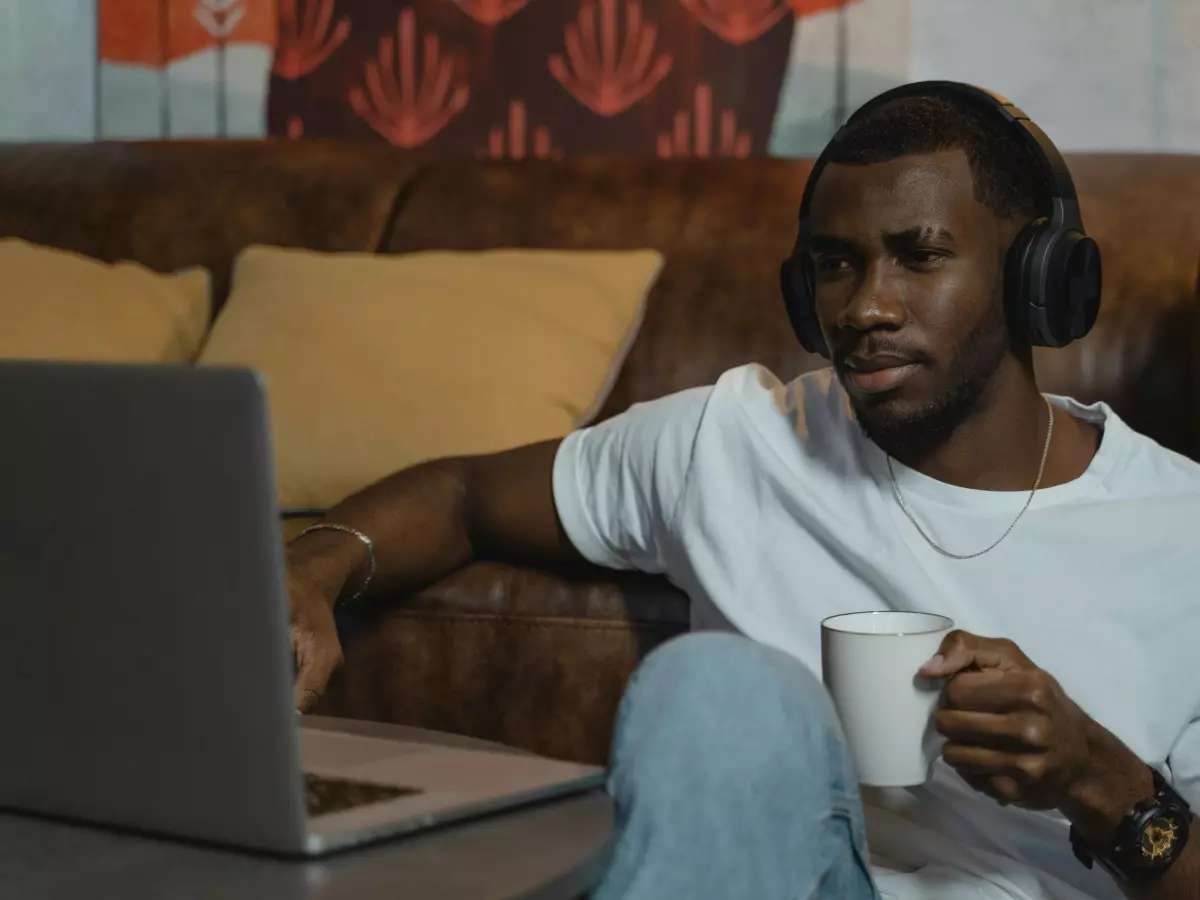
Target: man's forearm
<point>1180,882</point>
<point>1102,798</point>
<point>431,520</point>
<point>415,520</point>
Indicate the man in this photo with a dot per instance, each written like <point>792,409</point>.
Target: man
<point>899,479</point>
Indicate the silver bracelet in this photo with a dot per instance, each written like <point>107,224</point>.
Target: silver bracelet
<point>354,532</point>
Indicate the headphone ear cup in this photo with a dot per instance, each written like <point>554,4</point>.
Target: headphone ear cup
<point>1074,283</point>
<point>796,282</point>
<point>1052,285</point>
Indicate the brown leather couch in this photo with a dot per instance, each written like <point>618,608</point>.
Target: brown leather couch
<point>534,659</point>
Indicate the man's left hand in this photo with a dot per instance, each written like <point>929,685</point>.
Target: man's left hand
<point>1015,735</point>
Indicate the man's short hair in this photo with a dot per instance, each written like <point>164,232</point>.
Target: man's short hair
<point>1006,175</point>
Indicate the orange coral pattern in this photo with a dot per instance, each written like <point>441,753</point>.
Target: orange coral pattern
<point>809,7</point>
<point>406,108</point>
<point>603,73</point>
<point>692,131</point>
<point>738,21</point>
<point>307,36</point>
<point>492,12</point>
<point>518,142</point>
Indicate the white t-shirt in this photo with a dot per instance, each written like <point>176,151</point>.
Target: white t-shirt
<point>766,504</point>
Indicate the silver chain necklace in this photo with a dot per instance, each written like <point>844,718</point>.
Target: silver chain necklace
<point>1028,500</point>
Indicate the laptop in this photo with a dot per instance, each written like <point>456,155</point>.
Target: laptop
<point>145,667</point>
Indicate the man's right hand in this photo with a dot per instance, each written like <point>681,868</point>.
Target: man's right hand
<point>315,580</point>
<point>425,522</point>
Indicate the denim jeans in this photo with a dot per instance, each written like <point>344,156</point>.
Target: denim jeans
<point>731,780</point>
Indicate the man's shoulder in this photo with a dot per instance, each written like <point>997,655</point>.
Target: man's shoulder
<point>754,385</point>
<point>808,402</point>
<point>746,406</point>
<point>753,416</point>
<point>1144,466</point>
<point>1162,468</point>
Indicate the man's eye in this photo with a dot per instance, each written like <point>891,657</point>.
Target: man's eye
<point>923,258</point>
<point>832,263</point>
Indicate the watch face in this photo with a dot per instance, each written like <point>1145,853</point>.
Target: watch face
<point>1158,838</point>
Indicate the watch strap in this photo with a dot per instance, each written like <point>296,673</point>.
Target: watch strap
<point>1162,819</point>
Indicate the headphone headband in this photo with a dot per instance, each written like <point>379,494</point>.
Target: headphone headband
<point>1054,175</point>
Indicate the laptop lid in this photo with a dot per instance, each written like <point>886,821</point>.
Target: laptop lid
<point>145,671</point>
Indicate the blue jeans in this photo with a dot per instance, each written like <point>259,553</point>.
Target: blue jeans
<point>731,779</point>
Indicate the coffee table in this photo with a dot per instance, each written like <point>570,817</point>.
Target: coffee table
<point>550,851</point>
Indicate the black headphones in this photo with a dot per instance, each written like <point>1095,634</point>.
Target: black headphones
<point>1052,271</point>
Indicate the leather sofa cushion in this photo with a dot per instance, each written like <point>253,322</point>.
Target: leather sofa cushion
<point>375,363</point>
<point>63,306</point>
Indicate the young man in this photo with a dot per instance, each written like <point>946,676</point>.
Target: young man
<point>923,471</point>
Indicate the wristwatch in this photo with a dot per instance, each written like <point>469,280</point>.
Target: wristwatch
<point>1149,839</point>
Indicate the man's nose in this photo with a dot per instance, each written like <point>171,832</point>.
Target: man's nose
<point>873,304</point>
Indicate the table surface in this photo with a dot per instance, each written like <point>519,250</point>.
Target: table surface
<point>550,851</point>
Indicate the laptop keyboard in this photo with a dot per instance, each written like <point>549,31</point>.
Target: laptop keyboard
<point>324,795</point>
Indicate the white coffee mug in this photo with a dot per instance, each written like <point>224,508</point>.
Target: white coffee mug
<point>869,661</point>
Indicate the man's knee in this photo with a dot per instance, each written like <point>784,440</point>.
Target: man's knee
<point>717,694</point>
<point>721,736</point>
<point>710,670</point>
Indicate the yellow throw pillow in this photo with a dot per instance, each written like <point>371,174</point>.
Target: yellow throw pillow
<point>60,305</point>
<point>375,363</point>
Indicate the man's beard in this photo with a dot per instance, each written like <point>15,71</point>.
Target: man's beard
<point>913,433</point>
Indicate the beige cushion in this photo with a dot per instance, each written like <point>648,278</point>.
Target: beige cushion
<point>374,363</point>
<point>60,305</point>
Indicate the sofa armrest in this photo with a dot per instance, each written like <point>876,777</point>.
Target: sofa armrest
<point>530,659</point>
